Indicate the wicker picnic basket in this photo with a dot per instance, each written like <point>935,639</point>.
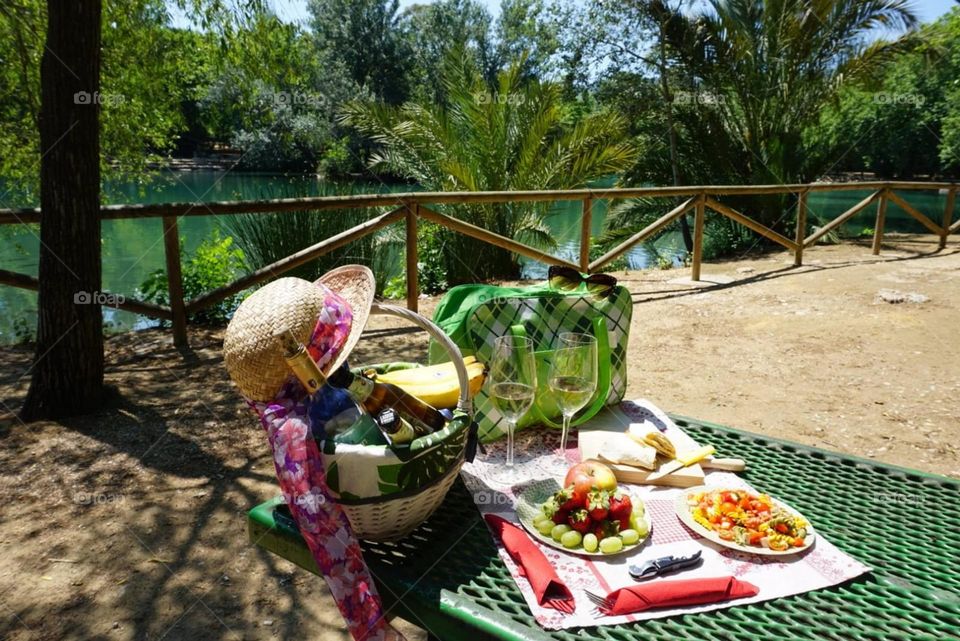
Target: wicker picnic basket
<point>386,493</point>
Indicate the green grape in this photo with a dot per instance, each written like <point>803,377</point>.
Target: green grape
<point>611,545</point>
<point>571,539</point>
<point>540,518</point>
<point>590,542</point>
<point>545,527</point>
<point>558,531</point>
<point>641,528</point>
<point>630,537</point>
<point>639,509</point>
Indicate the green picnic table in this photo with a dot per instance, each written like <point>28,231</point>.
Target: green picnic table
<point>447,578</point>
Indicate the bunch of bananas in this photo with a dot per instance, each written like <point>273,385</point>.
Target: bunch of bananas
<point>436,385</point>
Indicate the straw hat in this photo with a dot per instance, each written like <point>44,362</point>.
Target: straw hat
<point>327,316</point>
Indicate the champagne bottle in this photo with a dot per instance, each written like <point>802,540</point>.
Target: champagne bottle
<point>376,396</point>
<point>300,361</point>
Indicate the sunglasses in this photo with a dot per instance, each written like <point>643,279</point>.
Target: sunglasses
<point>569,279</point>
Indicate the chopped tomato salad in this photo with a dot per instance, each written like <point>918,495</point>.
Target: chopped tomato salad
<point>748,519</point>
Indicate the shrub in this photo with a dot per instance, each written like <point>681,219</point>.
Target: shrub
<point>215,263</point>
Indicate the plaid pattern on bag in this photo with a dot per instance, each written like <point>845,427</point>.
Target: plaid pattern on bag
<point>544,317</point>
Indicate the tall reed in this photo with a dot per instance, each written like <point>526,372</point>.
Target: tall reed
<point>265,238</point>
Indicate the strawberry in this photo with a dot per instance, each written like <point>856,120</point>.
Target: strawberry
<point>560,516</point>
<point>568,500</point>
<point>598,503</point>
<point>620,507</point>
<point>599,532</point>
<point>624,523</point>
<point>550,507</point>
<point>579,521</point>
<point>606,528</point>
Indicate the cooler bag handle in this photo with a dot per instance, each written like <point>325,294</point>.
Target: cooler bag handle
<point>599,400</point>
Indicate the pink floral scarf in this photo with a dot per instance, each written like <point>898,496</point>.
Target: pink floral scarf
<point>300,472</point>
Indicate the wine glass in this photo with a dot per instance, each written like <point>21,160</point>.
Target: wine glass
<point>513,382</point>
<point>573,376</point>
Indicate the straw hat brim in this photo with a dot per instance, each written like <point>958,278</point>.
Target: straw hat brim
<point>356,285</point>
<point>251,352</point>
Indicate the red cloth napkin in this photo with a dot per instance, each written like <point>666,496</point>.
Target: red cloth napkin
<point>547,586</point>
<point>663,594</point>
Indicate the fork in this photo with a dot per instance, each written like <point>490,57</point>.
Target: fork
<point>604,605</point>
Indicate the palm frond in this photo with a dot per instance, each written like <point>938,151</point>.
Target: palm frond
<point>505,135</point>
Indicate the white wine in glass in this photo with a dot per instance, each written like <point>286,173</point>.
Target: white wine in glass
<point>573,377</point>
<point>513,382</point>
<point>513,399</point>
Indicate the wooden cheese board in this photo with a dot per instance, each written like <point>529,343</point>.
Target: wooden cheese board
<point>613,422</point>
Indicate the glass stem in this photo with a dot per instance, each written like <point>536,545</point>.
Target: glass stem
<point>511,426</point>
<point>563,434</point>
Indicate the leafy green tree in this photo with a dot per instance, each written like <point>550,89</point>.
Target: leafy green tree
<point>21,44</point>
<point>513,138</point>
<point>528,30</point>
<point>944,55</point>
<point>150,74</point>
<point>903,122</point>
<point>433,30</point>
<point>365,36</point>
<point>279,115</point>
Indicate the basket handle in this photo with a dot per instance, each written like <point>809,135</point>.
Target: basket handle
<point>464,404</point>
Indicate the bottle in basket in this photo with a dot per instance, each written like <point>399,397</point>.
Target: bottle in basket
<point>300,361</point>
<point>376,396</point>
<point>397,430</point>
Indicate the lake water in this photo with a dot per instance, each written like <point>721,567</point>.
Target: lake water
<point>132,249</point>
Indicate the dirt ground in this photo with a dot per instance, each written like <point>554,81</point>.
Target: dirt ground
<point>130,524</point>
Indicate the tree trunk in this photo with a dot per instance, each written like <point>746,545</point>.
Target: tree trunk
<point>672,129</point>
<point>68,365</point>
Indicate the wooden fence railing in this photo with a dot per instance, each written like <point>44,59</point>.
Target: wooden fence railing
<point>411,207</point>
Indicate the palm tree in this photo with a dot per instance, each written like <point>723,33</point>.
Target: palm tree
<point>773,65</point>
<point>514,135</point>
<point>762,72</point>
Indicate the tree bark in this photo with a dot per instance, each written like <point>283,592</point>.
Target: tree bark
<point>67,375</point>
<point>672,127</point>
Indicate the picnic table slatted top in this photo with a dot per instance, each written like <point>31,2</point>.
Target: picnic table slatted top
<point>904,524</point>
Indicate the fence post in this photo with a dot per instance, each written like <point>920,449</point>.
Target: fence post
<point>586,223</point>
<point>801,227</point>
<point>701,211</point>
<point>948,216</point>
<point>881,220</point>
<point>413,284</point>
<point>171,250</point>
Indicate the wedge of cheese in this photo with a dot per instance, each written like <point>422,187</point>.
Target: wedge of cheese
<point>619,448</point>
<point>646,436</point>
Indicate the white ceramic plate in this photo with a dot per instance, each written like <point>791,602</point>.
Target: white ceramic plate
<point>685,514</point>
<point>533,496</point>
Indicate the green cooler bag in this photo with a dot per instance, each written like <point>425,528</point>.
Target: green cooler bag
<point>475,315</point>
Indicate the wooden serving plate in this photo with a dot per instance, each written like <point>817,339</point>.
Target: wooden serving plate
<point>592,434</point>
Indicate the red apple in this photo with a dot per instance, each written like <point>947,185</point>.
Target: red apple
<point>588,476</point>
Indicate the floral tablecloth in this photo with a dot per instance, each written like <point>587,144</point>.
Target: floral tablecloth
<point>495,490</point>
